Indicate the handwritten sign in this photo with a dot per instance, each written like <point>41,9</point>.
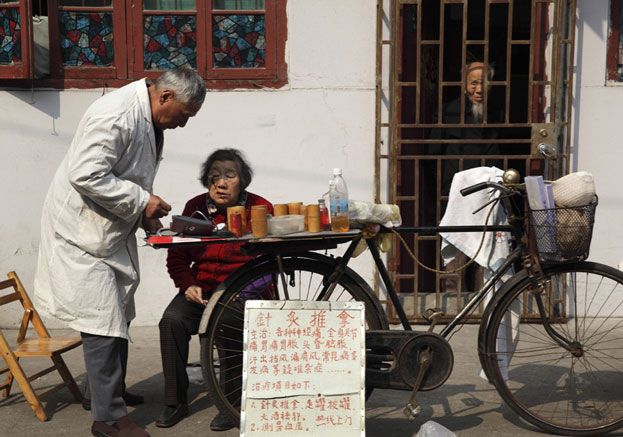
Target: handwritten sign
<point>304,369</point>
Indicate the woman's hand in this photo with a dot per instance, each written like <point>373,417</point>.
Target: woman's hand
<point>195,294</point>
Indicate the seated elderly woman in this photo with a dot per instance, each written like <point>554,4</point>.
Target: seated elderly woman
<point>197,271</point>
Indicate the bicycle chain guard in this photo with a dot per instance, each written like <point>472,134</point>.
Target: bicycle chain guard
<point>393,357</point>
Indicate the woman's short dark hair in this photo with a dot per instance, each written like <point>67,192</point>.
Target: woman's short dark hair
<point>244,169</point>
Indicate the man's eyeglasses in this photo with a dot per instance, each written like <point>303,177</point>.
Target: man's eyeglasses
<point>228,176</point>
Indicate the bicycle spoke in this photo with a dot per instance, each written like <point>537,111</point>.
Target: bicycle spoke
<point>235,328</point>
<point>573,389</point>
<point>230,339</point>
<point>308,289</point>
<point>305,281</point>
<point>237,352</point>
<point>229,357</point>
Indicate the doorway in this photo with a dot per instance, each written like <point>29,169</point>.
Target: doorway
<point>469,82</point>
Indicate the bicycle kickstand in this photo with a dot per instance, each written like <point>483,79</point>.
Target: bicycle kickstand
<point>413,408</point>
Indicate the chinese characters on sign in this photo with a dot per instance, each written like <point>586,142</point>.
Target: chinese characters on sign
<point>304,369</point>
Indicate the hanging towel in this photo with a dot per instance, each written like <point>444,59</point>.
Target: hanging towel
<point>459,212</point>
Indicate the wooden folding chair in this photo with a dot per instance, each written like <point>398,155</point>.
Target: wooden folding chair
<point>41,346</point>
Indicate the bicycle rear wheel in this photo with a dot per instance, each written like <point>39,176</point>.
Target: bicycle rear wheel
<point>221,345</point>
<point>573,390</point>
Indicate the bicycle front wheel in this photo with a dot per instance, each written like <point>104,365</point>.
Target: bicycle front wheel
<point>305,275</point>
<point>568,379</point>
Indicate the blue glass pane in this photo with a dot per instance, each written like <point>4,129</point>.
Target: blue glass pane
<point>10,36</point>
<point>170,41</point>
<point>238,41</point>
<point>86,38</point>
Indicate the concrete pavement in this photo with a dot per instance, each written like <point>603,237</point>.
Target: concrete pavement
<point>465,404</point>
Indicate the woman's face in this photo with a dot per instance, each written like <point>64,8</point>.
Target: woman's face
<point>224,180</point>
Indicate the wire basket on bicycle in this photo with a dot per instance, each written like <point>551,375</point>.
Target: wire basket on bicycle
<point>563,234</point>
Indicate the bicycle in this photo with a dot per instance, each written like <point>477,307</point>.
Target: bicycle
<point>561,374</point>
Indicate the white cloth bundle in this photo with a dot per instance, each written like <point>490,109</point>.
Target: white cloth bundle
<point>377,213</point>
<point>574,189</point>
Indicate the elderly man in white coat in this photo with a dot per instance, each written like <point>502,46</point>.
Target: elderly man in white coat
<point>101,193</point>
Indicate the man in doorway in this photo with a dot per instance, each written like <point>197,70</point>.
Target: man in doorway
<point>88,271</point>
<point>476,76</point>
<point>474,90</point>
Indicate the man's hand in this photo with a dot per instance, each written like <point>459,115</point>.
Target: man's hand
<point>151,226</point>
<point>194,294</point>
<point>156,207</point>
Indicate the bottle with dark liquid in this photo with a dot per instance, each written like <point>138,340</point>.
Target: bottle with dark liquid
<point>325,223</point>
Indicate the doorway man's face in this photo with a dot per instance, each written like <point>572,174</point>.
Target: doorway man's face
<point>474,83</point>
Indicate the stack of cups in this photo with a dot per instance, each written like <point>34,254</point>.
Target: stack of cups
<point>303,212</point>
<point>237,220</point>
<point>259,225</point>
<point>294,207</point>
<point>280,209</point>
<point>313,218</point>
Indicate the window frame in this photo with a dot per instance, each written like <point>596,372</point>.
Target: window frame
<point>245,73</point>
<point>117,70</point>
<point>26,66</point>
<point>614,41</point>
<point>138,71</point>
<point>128,45</point>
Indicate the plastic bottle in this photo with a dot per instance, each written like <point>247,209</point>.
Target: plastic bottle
<point>338,195</point>
<point>325,222</point>
<point>340,183</point>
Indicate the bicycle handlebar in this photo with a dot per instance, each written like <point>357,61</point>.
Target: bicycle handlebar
<point>474,188</point>
<point>481,186</point>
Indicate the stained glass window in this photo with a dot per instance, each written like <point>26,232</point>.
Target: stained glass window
<point>86,38</point>
<point>238,4</point>
<point>10,36</point>
<point>238,41</point>
<point>230,43</point>
<point>170,41</point>
<point>86,3</point>
<point>169,5</point>
<point>620,51</point>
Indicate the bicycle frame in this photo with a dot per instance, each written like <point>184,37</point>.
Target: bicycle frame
<point>420,360</point>
<point>513,258</point>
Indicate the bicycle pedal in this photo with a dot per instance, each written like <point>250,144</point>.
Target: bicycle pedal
<point>431,313</point>
<point>412,412</point>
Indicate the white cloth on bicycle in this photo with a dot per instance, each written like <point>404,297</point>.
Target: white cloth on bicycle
<point>460,212</point>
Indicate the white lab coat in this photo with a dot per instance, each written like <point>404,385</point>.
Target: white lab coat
<point>88,269</point>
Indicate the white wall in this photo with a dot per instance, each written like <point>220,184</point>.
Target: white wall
<point>293,137</point>
<point>598,128</point>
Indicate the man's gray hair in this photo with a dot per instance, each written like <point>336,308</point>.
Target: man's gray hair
<point>188,86</point>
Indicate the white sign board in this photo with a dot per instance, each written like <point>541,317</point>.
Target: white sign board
<point>304,369</point>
